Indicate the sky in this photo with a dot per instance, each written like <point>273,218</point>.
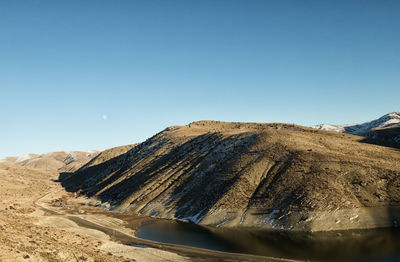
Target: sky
<point>82,75</point>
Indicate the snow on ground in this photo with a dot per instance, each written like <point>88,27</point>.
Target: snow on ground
<point>71,157</point>
<point>91,152</point>
<point>361,129</point>
<point>328,127</point>
<point>195,218</point>
<point>25,157</point>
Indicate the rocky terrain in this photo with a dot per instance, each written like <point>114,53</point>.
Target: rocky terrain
<point>273,176</point>
<point>385,128</point>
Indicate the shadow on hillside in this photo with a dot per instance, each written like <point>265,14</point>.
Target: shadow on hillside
<point>83,178</point>
<point>379,142</point>
<point>388,137</point>
<point>63,176</point>
<point>184,170</point>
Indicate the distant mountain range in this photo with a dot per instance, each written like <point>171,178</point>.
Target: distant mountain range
<point>385,128</point>
<point>62,161</point>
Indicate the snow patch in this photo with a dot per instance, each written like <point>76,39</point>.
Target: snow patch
<point>269,219</point>
<point>155,143</point>
<point>90,153</point>
<point>327,127</point>
<point>243,216</point>
<point>25,157</point>
<point>223,222</point>
<point>195,218</point>
<point>71,157</point>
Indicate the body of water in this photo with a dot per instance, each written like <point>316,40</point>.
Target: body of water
<point>352,245</point>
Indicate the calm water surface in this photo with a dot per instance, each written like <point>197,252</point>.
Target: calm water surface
<point>355,245</point>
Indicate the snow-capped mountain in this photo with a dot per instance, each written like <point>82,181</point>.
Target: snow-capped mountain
<point>385,128</point>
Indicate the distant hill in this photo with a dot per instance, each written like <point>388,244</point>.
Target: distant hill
<point>61,161</point>
<point>252,175</point>
<point>385,128</point>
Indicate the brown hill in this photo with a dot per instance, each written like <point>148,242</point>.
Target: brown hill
<point>108,154</point>
<point>254,175</point>
<point>62,161</point>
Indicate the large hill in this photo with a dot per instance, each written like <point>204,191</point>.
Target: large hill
<point>253,175</point>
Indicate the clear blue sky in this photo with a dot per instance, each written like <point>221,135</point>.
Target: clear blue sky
<point>151,64</point>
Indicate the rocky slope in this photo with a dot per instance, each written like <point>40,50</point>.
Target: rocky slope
<point>385,128</point>
<point>254,175</point>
